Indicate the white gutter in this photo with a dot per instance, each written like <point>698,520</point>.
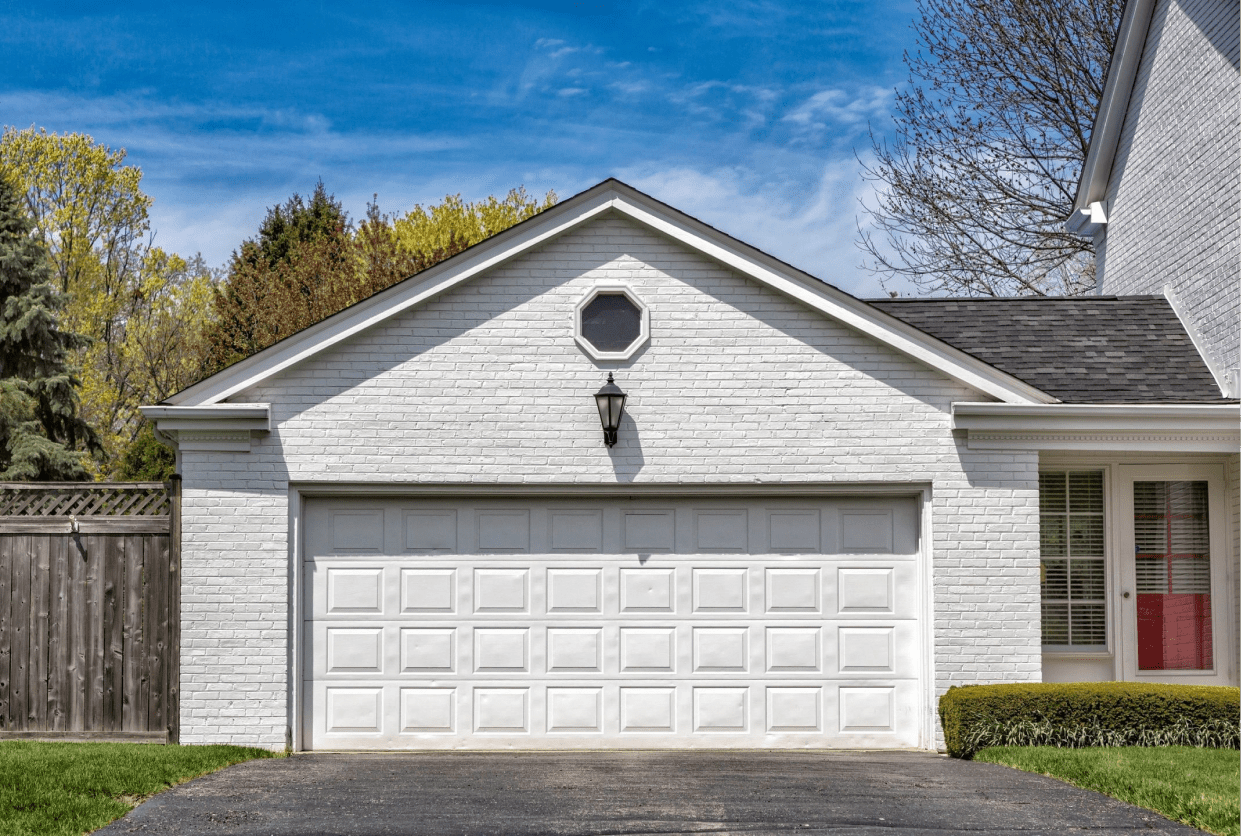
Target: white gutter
<point>228,427</point>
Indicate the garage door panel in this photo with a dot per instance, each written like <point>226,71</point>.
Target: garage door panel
<point>561,624</point>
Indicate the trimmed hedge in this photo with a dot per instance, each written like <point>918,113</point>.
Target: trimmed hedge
<point>1089,714</point>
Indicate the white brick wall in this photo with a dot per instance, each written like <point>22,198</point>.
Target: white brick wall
<point>1175,195</point>
<point>738,385</point>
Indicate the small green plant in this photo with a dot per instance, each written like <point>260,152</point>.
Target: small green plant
<point>1212,734</point>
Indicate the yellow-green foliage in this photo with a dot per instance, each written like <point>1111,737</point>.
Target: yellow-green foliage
<point>423,230</point>
<point>1127,708</point>
<point>143,309</point>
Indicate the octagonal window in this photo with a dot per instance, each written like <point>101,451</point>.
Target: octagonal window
<point>611,322</point>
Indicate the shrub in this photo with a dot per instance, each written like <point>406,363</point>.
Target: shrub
<point>1089,714</point>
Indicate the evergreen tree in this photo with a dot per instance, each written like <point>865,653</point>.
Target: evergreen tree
<point>42,437</point>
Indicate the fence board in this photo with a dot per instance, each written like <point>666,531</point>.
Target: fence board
<point>94,630</point>
<point>8,557</point>
<point>19,629</point>
<point>135,692</point>
<point>78,635</point>
<point>40,591</point>
<point>113,626</point>
<point>157,631</point>
<point>59,637</point>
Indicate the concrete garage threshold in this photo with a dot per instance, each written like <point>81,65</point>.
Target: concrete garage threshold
<point>629,793</point>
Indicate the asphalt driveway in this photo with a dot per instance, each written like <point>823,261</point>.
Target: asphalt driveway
<point>597,793</point>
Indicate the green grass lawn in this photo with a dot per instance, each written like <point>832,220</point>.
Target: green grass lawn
<point>1199,787</point>
<point>74,788</point>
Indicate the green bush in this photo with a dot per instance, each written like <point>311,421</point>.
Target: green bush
<point>1080,714</point>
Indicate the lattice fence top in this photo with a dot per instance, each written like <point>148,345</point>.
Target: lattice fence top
<point>84,499</point>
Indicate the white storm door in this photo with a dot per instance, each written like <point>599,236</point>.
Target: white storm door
<point>1176,605</point>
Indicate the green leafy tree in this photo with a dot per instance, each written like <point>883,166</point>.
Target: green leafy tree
<point>42,436</point>
<point>147,459</point>
<point>308,262</point>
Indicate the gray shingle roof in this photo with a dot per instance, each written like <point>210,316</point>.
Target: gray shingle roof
<point>1092,349</point>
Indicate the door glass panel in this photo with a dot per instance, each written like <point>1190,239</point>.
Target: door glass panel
<point>1173,573</point>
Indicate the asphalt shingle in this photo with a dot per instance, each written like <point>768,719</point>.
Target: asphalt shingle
<point>1092,349</point>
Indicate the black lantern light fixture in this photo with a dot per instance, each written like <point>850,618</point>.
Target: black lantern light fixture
<point>611,402</point>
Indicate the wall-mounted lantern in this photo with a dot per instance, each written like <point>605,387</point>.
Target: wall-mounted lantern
<point>611,402</point>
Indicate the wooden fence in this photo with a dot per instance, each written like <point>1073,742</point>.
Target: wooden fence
<point>89,608</point>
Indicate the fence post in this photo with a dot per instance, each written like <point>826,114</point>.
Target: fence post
<point>174,609</point>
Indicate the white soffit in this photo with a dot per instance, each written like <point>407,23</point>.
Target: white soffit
<point>612,195</point>
<point>1105,135</point>
<point>1181,428</point>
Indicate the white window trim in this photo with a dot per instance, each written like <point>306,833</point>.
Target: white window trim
<point>644,332</point>
<point>1110,612</point>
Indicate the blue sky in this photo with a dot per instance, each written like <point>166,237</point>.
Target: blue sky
<point>750,116</point>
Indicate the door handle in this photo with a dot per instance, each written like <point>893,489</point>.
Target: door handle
<point>1126,595</point>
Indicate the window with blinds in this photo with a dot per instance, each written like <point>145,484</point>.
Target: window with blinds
<point>1071,550</point>
<point>1171,531</point>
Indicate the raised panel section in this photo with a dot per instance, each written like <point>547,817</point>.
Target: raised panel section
<point>721,531</point>
<point>574,650</point>
<point>794,531</point>
<point>431,531</point>
<point>429,710</point>
<point>792,591</point>
<point>358,531</point>
<point>648,649</point>
<point>354,710</point>
<point>354,590</point>
<point>793,650</point>
<point>648,710</point>
<point>502,710</point>
<point>501,590</point>
<point>501,650</point>
<point>720,590</point>
<point>721,649</point>
<point>867,709</point>
<point>429,590</point>
<point>504,531</point>
<point>648,590</point>
<point>575,710</point>
<point>865,590</point>
<point>866,532</point>
<point>354,650</point>
<point>575,531</point>
<point>428,649</point>
<point>794,709</point>
<point>574,590</point>
<point>648,531</point>
<point>721,710</point>
<point>867,650</point>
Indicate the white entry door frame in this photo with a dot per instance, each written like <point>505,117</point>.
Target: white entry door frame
<point>1136,625</point>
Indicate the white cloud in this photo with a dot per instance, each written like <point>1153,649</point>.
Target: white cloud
<point>835,107</point>
<point>811,225</point>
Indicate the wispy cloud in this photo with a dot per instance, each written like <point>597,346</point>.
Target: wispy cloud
<point>835,107</point>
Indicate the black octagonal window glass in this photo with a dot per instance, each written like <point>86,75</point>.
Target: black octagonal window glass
<point>611,322</point>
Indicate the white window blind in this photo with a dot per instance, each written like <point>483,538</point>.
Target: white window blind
<point>1071,547</point>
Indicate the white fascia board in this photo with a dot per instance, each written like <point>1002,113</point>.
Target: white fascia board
<point>840,306</point>
<point>1096,173</point>
<point>612,195</point>
<point>1201,428</point>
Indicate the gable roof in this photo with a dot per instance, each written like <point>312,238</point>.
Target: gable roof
<point>1085,350</point>
<point>1110,118</point>
<point>613,196</point>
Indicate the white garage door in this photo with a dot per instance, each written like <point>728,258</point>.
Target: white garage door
<point>611,623</point>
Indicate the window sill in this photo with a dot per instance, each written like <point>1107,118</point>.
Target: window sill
<point>1079,654</point>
